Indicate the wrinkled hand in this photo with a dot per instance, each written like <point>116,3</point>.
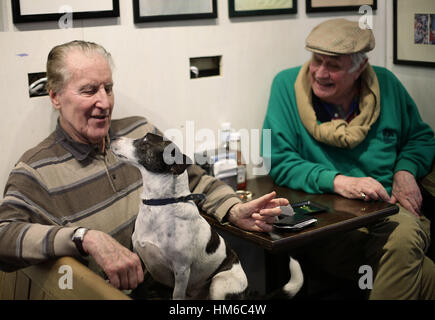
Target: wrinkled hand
<point>122,266</point>
<point>406,192</point>
<point>258,214</point>
<point>354,188</point>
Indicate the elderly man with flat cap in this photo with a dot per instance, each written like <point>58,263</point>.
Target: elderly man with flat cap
<point>340,125</point>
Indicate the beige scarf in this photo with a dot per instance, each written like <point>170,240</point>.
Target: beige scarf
<point>339,133</point>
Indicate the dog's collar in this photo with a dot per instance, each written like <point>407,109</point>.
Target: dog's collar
<point>165,201</point>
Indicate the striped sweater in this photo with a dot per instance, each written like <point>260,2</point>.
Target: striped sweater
<point>60,185</point>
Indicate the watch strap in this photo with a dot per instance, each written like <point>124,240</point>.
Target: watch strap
<point>78,240</point>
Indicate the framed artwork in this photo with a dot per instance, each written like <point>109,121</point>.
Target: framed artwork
<point>338,5</point>
<point>50,10</point>
<point>166,10</point>
<point>243,8</point>
<point>414,32</point>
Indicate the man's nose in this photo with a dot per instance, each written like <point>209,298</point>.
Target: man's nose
<point>102,98</point>
<point>322,72</point>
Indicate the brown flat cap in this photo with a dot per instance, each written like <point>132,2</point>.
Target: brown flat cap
<point>340,36</point>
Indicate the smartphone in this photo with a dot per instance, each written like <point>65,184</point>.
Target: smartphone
<point>308,207</point>
<point>292,220</point>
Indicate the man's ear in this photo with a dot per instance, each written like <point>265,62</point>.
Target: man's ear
<point>361,68</point>
<point>54,97</point>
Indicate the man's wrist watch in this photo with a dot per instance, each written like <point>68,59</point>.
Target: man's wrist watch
<point>77,238</point>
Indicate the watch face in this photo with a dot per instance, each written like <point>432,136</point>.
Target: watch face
<point>79,234</point>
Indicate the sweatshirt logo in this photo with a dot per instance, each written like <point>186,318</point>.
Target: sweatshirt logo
<point>389,135</point>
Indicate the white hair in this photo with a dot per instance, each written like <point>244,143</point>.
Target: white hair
<point>357,60</point>
<point>57,72</point>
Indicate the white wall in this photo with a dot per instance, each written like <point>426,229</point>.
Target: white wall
<point>152,69</point>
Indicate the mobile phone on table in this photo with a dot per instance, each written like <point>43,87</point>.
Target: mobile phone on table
<point>292,220</point>
<point>308,207</point>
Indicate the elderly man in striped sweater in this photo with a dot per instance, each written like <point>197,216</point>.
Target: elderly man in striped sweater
<point>70,196</point>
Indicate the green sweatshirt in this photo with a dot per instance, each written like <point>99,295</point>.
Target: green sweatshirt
<point>398,140</point>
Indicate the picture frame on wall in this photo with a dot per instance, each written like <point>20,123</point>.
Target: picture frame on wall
<point>313,6</point>
<point>167,10</point>
<point>51,10</point>
<point>414,32</point>
<point>244,8</point>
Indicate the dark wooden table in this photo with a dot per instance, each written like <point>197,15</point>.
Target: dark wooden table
<point>264,256</point>
<point>342,215</point>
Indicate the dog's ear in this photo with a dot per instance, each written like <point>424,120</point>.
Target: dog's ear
<point>152,137</point>
<point>178,168</point>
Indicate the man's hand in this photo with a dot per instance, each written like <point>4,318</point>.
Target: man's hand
<point>258,214</point>
<point>122,266</point>
<point>365,188</point>
<point>406,192</point>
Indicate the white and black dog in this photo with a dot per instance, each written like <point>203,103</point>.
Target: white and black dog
<point>176,244</point>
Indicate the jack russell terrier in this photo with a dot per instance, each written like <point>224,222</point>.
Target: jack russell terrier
<point>176,244</point>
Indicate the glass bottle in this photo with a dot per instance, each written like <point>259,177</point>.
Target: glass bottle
<point>236,145</point>
<point>225,133</point>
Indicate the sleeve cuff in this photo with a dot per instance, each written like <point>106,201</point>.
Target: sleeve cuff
<point>63,244</point>
<point>326,181</point>
<point>224,208</point>
<point>407,165</point>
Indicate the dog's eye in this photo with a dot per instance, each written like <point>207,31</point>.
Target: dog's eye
<point>138,143</point>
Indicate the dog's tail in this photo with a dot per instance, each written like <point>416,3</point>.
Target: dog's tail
<point>292,287</point>
<point>296,279</point>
